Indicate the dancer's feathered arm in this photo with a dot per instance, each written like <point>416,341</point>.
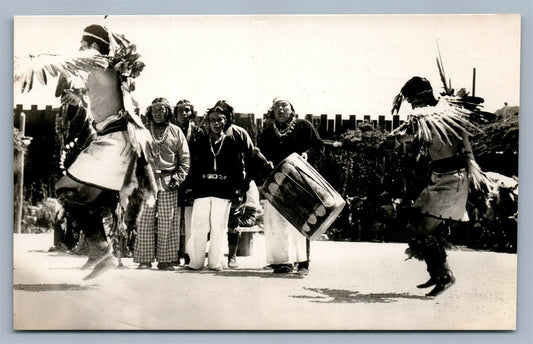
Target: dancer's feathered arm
<point>477,177</point>
<point>41,67</point>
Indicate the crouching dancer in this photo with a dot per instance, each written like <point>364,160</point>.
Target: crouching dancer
<point>103,171</point>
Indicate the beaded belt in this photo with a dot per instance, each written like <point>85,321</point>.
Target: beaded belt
<point>163,171</point>
<point>213,176</point>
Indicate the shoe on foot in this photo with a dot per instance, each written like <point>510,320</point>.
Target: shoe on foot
<point>216,269</point>
<point>429,283</point>
<point>232,263</point>
<point>165,266</point>
<point>442,285</point>
<point>303,271</point>
<point>144,266</point>
<point>188,267</point>
<point>282,268</point>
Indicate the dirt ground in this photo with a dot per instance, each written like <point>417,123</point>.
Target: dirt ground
<point>351,286</point>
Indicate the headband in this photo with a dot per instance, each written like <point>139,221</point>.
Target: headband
<point>420,93</point>
<point>85,33</point>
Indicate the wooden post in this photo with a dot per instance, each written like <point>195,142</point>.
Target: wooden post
<point>338,123</point>
<point>474,83</point>
<point>395,121</point>
<point>323,129</point>
<point>388,125</point>
<point>352,122</point>
<point>381,122</point>
<point>20,179</point>
<point>345,125</point>
<point>316,122</point>
<point>331,128</point>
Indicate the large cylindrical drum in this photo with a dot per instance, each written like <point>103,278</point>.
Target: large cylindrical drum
<point>303,196</point>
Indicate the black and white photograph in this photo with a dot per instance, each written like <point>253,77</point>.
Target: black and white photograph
<point>266,172</point>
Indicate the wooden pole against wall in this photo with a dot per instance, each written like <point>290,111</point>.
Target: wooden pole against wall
<point>20,179</point>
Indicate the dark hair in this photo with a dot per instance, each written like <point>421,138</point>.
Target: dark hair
<point>417,87</point>
<point>224,108</point>
<point>99,35</point>
<point>160,101</point>
<point>183,103</point>
<point>270,112</point>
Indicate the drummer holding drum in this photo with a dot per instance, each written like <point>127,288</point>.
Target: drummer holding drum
<point>286,135</point>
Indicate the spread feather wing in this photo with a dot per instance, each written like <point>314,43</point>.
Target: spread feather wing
<point>44,66</point>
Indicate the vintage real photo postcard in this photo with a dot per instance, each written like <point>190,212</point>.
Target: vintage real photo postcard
<point>266,172</point>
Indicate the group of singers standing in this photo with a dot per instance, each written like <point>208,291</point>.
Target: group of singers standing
<point>202,170</point>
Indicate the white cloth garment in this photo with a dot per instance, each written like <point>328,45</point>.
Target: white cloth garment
<point>284,244</point>
<point>209,215</point>
<point>105,162</point>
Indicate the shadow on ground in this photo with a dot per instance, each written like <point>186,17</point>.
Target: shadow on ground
<point>349,296</point>
<point>245,273</point>
<point>52,287</point>
<point>58,253</point>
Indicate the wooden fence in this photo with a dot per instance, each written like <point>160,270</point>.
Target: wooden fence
<point>47,128</point>
<point>327,127</point>
<point>41,158</point>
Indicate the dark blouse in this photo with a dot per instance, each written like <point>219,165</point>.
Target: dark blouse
<point>228,178</point>
<point>303,138</point>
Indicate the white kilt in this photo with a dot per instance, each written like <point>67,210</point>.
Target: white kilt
<point>105,162</point>
<point>446,196</point>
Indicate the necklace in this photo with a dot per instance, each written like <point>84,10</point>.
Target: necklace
<point>286,131</point>
<point>156,147</point>
<point>163,137</point>
<point>215,155</point>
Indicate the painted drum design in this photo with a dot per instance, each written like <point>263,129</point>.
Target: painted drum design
<point>303,196</point>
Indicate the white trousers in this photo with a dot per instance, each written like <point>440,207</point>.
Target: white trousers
<point>284,243</point>
<point>187,216</point>
<point>209,215</point>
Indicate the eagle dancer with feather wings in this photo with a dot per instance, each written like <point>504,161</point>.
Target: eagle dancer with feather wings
<point>100,179</point>
<point>443,126</point>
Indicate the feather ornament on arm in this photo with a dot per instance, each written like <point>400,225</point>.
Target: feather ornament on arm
<point>445,120</point>
<point>43,66</point>
<point>478,178</point>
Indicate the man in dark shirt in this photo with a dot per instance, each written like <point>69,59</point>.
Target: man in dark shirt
<point>218,178</point>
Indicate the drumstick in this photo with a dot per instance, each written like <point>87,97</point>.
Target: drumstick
<point>260,155</point>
